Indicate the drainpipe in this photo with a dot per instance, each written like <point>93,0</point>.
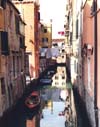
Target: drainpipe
<point>95,63</point>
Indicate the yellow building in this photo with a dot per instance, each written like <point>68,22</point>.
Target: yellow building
<point>45,43</point>
<point>46,35</point>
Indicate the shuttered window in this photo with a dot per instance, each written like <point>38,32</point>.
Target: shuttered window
<point>3,3</point>
<point>3,90</point>
<point>4,43</point>
<point>44,39</point>
<point>17,25</point>
<point>77,28</point>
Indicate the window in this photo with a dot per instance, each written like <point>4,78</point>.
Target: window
<point>4,45</point>
<point>27,63</point>
<point>45,30</point>
<point>3,90</point>
<point>63,83</point>
<point>44,39</point>
<point>17,24</point>
<point>63,77</point>
<point>55,44</point>
<point>56,77</point>
<point>17,67</point>
<point>38,16</point>
<point>56,83</point>
<point>63,50</point>
<point>14,66</point>
<point>22,45</point>
<point>62,56</point>
<point>3,3</point>
<point>62,71</point>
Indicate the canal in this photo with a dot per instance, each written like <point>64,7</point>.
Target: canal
<point>57,108</point>
<point>54,106</point>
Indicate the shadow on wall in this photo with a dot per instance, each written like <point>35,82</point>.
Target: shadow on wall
<point>68,74</point>
<point>82,116</point>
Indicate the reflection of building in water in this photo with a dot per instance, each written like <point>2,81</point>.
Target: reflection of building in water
<point>59,79</point>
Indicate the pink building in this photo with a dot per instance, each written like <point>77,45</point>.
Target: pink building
<point>86,25</point>
<point>91,60</point>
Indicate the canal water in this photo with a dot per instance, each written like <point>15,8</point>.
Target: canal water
<point>54,107</point>
<point>51,118</point>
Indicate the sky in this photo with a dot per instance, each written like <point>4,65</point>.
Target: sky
<point>55,10</point>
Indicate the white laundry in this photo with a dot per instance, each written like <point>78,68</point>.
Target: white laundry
<point>55,52</point>
<point>48,53</point>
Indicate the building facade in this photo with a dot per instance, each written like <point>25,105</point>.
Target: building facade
<point>90,46</point>
<point>46,35</point>
<point>31,34</point>
<point>12,51</point>
<point>45,44</point>
<point>88,60</point>
<point>59,79</point>
<point>84,53</point>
